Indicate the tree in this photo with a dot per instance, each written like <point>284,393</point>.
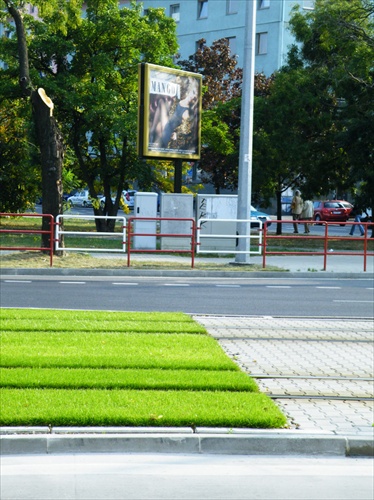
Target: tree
<point>295,136</point>
<point>221,78</point>
<point>314,130</point>
<point>89,64</point>
<point>19,172</point>
<point>95,80</point>
<point>47,132</point>
<point>219,154</point>
<point>338,37</point>
<point>221,84</point>
<point>221,136</point>
<point>106,67</point>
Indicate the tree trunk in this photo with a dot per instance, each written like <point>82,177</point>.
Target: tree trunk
<point>279,210</point>
<point>47,132</point>
<point>52,154</point>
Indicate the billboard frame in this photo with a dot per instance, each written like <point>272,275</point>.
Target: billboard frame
<point>169,113</point>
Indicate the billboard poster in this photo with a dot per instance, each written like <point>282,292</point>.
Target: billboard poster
<point>169,113</point>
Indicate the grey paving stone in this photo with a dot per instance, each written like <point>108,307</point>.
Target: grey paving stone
<point>305,347</point>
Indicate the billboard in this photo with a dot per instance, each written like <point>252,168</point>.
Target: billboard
<point>169,121</point>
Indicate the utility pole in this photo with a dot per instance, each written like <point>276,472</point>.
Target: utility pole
<point>246,134</point>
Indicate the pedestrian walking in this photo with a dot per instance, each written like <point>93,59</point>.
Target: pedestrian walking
<point>307,214</point>
<point>356,213</point>
<point>296,209</point>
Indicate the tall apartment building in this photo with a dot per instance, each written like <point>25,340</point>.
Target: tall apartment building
<point>215,19</point>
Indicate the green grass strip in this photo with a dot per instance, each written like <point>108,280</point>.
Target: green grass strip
<point>102,316</point>
<point>138,408</point>
<point>113,350</point>
<point>131,369</point>
<point>89,325</point>
<point>78,378</point>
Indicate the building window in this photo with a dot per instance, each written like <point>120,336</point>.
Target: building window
<point>198,46</point>
<point>232,45</point>
<point>174,12</point>
<point>308,4</point>
<point>202,12</point>
<point>232,6</point>
<point>263,4</point>
<point>261,43</point>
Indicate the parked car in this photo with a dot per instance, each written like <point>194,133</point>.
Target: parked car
<point>256,215</point>
<point>332,210</point>
<point>103,198</point>
<point>65,197</point>
<point>80,199</point>
<point>348,206</point>
<point>127,198</point>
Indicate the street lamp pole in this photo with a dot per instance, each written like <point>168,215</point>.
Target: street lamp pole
<point>246,134</point>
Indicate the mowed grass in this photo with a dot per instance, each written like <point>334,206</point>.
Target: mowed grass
<point>129,369</point>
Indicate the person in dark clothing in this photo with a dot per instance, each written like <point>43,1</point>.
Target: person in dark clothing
<point>356,213</point>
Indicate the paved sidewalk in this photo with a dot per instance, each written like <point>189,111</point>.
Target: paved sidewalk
<point>343,264</point>
<point>338,266</point>
<point>320,372</point>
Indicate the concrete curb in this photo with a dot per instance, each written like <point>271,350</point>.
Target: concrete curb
<point>191,273</point>
<point>42,440</point>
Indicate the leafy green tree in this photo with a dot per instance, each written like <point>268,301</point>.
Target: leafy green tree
<point>89,65</point>
<point>295,136</point>
<point>221,84</point>
<point>94,77</point>
<point>338,38</point>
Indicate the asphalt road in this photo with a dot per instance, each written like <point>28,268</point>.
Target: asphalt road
<point>184,477</point>
<point>308,297</point>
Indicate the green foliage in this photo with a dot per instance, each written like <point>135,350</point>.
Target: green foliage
<point>295,134</point>
<point>221,87</point>
<point>89,67</point>
<point>19,173</point>
<point>314,128</point>
<point>221,78</point>
<point>97,90</point>
<point>337,39</point>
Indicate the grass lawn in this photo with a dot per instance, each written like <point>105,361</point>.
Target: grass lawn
<point>129,369</point>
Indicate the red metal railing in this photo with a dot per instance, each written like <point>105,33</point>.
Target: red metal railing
<point>50,232</point>
<point>325,239</point>
<point>131,233</point>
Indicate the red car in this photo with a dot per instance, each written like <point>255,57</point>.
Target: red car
<point>332,210</point>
